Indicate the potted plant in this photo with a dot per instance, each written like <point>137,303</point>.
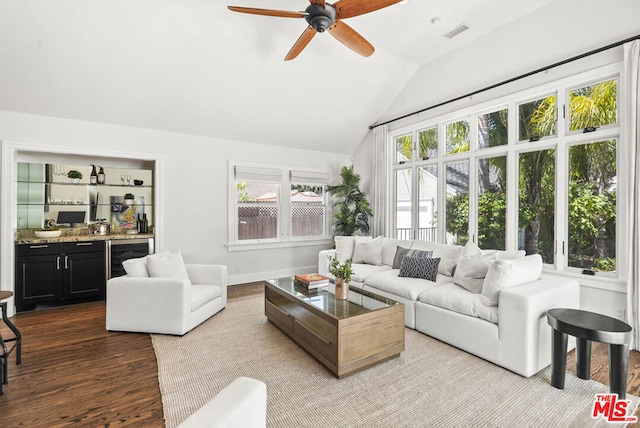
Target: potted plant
<point>354,212</point>
<point>75,176</point>
<point>128,198</point>
<point>342,272</point>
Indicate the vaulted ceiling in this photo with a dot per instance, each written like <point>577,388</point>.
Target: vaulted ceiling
<point>194,67</point>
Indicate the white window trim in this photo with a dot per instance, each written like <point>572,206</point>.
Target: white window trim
<point>561,141</point>
<point>284,238</point>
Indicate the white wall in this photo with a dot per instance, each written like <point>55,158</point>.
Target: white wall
<point>193,177</point>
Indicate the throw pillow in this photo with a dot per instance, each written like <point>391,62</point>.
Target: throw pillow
<point>344,247</point>
<point>471,271</point>
<point>448,254</point>
<point>368,251</point>
<point>402,252</point>
<point>419,267</point>
<point>166,265</point>
<point>136,268</point>
<point>509,273</point>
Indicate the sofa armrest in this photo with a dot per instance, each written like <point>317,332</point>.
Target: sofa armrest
<point>323,262</point>
<point>522,321</point>
<point>143,304</point>
<point>209,274</point>
<point>242,404</point>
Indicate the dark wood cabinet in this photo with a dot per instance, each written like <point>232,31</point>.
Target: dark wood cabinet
<point>59,273</point>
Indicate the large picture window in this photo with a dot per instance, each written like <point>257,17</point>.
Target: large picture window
<point>548,186</point>
<point>275,204</point>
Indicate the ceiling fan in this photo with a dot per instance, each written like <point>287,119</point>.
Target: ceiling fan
<point>323,16</point>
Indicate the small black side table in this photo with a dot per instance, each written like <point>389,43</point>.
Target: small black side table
<point>4,357</point>
<point>587,327</point>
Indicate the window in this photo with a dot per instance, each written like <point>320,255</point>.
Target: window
<point>492,202</point>
<point>274,204</point>
<point>593,106</point>
<point>457,202</point>
<point>548,187</point>
<point>404,223</point>
<point>536,210</point>
<point>458,136</point>
<point>592,206</point>
<point>537,119</point>
<point>493,129</point>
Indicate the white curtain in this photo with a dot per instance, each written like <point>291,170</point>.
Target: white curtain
<point>630,110</point>
<point>380,180</point>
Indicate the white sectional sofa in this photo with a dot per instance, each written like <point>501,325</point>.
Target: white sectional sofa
<point>489,303</point>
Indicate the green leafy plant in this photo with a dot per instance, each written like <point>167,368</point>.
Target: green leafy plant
<point>340,270</point>
<point>354,210</point>
<point>74,174</point>
<point>129,196</point>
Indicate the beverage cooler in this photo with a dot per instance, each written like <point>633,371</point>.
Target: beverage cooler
<point>119,250</point>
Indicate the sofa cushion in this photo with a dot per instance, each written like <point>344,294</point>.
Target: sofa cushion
<point>166,265</point>
<point>419,267</point>
<point>509,273</point>
<point>452,297</point>
<point>202,294</point>
<point>448,254</point>
<point>136,267</point>
<point>363,271</point>
<point>368,251</point>
<point>389,248</point>
<point>402,252</point>
<point>344,247</point>
<point>471,271</point>
<point>409,288</point>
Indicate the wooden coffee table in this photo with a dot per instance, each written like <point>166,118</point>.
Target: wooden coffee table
<point>345,335</point>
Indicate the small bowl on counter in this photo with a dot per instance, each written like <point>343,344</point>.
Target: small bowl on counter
<point>48,233</point>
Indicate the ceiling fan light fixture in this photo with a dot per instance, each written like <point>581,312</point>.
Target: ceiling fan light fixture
<point>320,18</point>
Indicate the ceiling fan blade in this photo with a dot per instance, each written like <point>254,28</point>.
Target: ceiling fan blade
<point>301,43</point>
<point>322,3</point>
<point>350,38</point>
<point>268,12</point>
<point>351,8</point>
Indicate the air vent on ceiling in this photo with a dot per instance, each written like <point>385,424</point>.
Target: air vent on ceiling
<point>456,31</point>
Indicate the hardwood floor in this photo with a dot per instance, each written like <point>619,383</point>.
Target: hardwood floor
<point>75,373</point>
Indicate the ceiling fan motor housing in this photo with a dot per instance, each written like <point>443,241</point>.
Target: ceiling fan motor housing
<point>320,18</point>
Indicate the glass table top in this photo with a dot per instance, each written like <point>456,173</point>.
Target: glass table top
<point>323,298</point>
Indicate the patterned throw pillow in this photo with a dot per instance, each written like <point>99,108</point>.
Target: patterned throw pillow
<point>401,252</point>
<point>419,267</point>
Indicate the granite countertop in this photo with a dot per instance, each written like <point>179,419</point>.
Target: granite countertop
<point>78,237</point>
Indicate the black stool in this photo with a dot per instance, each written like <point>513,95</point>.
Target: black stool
<point>587,327</point>
<point>17,346</point>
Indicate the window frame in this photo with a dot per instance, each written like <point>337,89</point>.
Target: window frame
<point>284,236</point>
<point>560,141</point>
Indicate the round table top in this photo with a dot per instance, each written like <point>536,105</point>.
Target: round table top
<point>589,325</point>
<point>5,294</point>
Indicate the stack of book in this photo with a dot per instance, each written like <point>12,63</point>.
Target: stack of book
<point>312,280</point>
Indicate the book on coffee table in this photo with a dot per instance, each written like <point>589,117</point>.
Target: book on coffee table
<point>312,280</point>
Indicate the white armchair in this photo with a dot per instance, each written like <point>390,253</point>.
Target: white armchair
<point>242,404</point>
<point>166,305</point>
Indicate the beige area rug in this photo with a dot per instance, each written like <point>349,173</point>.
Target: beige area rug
<point>430,385</point>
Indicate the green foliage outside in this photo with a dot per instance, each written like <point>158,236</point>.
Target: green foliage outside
<point>592,175</point>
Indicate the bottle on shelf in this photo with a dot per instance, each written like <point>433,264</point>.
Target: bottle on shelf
<point>93,179</point>
<point>101,176</point>
<point>145,224</point>
<point>139,224</point>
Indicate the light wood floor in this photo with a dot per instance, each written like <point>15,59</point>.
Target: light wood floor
<point>75,373</point>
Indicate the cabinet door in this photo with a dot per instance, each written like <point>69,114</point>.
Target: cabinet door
<point>38,279</point>
<point>84,275</point>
